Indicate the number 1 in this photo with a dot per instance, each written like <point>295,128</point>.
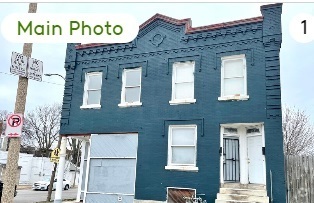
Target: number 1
<point>304,21</point>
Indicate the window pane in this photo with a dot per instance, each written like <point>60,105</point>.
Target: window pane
<point>184,72</point>
<point>93,97</point>
<point>184,91</point>
<point>231,130</point>
<point>132,94</point>
<point>252,130</point>
<point>133,77</point>
<point>234,86</point>
<point>94,81</point>
<point>233,68</point>
<point>183,136</point>
<point>183,155</point>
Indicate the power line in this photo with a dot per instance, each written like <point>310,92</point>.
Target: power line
<point>41,81</point>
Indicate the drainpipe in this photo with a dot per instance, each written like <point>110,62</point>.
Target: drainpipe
<point>271,187</point>
<point>59,185</point>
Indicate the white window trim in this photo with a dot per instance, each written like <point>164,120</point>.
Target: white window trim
<point>85,96</point>
<point>181,167</point>
<point>134,104</point>
<point>128,104</point>
<point>181,101</point>
<point>244,96</point>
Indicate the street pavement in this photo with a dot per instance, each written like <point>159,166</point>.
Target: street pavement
<point>31,196</point>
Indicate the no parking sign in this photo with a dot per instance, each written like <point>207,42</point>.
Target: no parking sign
<point>14,125</point>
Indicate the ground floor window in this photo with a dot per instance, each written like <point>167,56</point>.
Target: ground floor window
<point>182,144</point>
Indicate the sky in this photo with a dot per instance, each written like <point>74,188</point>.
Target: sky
<point>297,61</point>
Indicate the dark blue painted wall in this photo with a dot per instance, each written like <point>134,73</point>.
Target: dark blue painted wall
<point>260,42</point>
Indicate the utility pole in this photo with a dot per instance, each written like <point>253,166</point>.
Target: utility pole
<point>59,187</point>
<point>14,145</point>
<point>53,174</point>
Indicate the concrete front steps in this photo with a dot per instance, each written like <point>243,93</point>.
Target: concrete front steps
<point>242,193</point>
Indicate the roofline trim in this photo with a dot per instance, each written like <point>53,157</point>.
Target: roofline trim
<point>188,26</point>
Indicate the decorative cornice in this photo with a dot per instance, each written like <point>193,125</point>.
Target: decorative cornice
<point>188,23</point>
<point>188,26</point>
<point>185,39</point>
<point>167,52</point>
<point>107,49</point>
<point>270,41</point>
<point>67,96</point>
<point>221,33</point>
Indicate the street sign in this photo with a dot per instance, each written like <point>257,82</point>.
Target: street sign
<point>55,155</point>
<point>26,67</point>
<point>18,64</point>
<point>35,69</point>
<point>14,125</point>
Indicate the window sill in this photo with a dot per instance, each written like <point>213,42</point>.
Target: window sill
<point>94,106</point>
<point>182,101</point>
<point>234,98</point>
<point>135,104</point>
<point>182,168</point>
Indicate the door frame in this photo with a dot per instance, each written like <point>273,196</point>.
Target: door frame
<point>243,148</point>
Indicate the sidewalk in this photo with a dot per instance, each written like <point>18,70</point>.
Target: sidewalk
<point>65,201</point>
<point>24,187</point>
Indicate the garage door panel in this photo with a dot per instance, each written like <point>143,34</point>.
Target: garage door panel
<point>118,145</point>
<point>101,198</point>
<point>112,175</point>
<point>112,168</point>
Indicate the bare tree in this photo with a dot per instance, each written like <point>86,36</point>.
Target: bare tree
<point>298,132</point>
<point>3,114</point>
<point>75,146</point>
<point>3,117</point>
<point>41,127</point>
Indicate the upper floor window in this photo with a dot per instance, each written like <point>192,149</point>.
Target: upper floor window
<point>233,78</point>
<point>131,87</point>
<point>183,83</point>
<point>92,90</point>
<point>182,147</point>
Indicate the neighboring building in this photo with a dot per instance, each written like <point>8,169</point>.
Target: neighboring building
<point>179,110</point>
<point>32,169</point>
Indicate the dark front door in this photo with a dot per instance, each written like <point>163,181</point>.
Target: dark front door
<point>231,164</point>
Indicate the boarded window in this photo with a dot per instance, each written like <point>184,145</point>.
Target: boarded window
<point>176,195</point>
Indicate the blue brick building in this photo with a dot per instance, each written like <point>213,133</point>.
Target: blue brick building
<point>180,111</point>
